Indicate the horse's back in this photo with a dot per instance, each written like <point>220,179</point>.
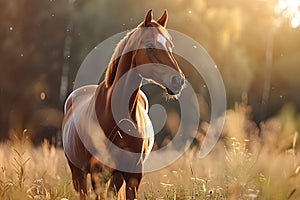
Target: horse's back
<point>78,94</point>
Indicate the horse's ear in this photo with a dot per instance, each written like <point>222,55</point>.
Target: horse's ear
<point>163,19</point>
<point>148,18</point>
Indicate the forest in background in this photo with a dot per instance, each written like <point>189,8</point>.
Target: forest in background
<point>39,37</point>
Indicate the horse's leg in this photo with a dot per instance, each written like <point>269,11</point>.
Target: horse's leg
<point>99,177</point>
<point>116,182</point>
<point>132,184</point>
<point>79,181</point>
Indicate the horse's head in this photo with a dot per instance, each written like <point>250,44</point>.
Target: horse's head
<point>155,50</point>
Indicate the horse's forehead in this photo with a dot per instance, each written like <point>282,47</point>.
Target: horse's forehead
<point>166,34</point>
<point>155,32</point>
<point>162,40</point>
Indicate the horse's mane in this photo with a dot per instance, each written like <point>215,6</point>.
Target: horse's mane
<point>114,61</point>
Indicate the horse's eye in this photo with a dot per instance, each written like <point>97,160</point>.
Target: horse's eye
<point>150,46</point>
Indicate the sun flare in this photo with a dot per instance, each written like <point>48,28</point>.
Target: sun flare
<point>289,9</point>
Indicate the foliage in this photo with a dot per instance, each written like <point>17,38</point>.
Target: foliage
<point>235,34</point>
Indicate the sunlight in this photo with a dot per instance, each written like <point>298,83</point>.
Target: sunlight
<point>289,9</point>
<point>42,96</point>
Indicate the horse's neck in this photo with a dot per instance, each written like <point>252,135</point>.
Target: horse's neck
<point>130,105</point>
<point>124,89</point>
<point>128,94</point>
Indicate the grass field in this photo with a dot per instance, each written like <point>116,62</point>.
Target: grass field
<point>242,165</point>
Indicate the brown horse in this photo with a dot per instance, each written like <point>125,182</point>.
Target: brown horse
<point>98,118</point>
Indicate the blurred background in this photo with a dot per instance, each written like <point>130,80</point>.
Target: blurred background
<point>254,43</point>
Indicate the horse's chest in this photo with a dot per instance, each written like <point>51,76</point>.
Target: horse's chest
<point>128,142</point>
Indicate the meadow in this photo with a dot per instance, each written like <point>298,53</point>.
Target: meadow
<point>255,46</point>
<point>248,162</point>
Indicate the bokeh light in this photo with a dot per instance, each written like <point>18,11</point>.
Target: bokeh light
<point>289,9</point>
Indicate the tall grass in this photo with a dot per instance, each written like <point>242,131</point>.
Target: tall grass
<point>249,162</point>
<point>29,172</point>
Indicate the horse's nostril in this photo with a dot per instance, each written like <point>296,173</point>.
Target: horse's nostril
<point>175,80</point>
<point>182,81</point>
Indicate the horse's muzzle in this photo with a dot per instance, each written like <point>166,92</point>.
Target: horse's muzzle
<point>170,92</point>
<point>177,84</point>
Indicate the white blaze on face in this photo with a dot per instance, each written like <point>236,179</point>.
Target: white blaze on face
<point>162,40</point>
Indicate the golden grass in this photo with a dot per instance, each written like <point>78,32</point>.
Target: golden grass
<point>242,165</point>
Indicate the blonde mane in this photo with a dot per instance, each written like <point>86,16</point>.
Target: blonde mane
<point>114,61</point>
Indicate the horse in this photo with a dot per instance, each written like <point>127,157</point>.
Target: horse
<point>148,45</point>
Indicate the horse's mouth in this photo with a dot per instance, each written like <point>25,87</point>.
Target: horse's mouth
<point>171,95</point>
<point>170,92</point>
